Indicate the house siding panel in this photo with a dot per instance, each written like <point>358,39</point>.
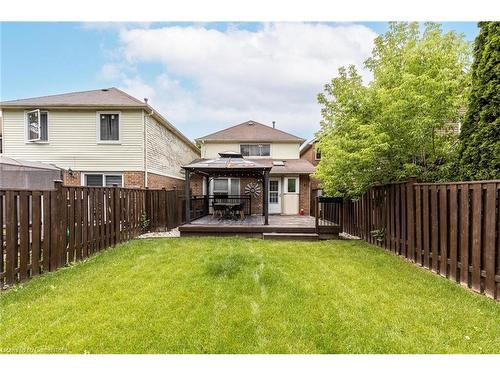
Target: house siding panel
<point>278,150</point>
<point>73,141</point>
<point>166,153</point>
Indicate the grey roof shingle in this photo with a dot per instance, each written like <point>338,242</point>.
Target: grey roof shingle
<point>110,97</point>
<point>251,131</point>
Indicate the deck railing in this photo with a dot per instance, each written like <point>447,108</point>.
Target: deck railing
<point>328,214</point>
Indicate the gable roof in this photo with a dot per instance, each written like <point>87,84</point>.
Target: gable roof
<point>251,131</point>
<point>108,97</point>
<point>306,146</point>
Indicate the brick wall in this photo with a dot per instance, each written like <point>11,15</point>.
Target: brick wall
<point>257,205</point>
<point>133,179</point>
<point>304,194</point>
<point>156,181</point>
<point>196,182</point>
<point>310,155</point>
<point>72,180</point>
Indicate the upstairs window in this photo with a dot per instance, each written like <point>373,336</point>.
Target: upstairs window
<point>256,150</point>
<point>109,126</point>
<point>318,155</point>
<point>37,126</point>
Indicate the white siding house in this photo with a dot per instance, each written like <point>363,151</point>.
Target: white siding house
<point>100,136</point>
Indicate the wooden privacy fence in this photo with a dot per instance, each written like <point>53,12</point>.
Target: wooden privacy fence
<point>451,228</point>
<point>41,231</point>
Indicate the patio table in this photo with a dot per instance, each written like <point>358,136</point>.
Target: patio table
<point>227,207</point>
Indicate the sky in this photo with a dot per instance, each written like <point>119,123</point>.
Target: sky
<point>202,77</point>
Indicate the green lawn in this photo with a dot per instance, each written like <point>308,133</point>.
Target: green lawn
<point>231,295</point>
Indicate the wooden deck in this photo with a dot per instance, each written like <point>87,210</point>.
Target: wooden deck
<point>250,226</point>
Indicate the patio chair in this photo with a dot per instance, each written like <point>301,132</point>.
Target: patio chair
<point>239,211</point>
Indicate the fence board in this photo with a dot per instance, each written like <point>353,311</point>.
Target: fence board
<point>476,237</point>
<point>434,229</point>
<point>443,230</point>
<point>24,235</point>
<point>36,231</point>
<point>426,227</point>
<point>453,232</point>
<point>489,239</point>
<point>2,239</point>
<point>464,235</point>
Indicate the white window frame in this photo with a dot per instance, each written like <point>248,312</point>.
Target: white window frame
<point>229,183</point>
<point>103,174</point>
<point>296,185</point>
<point>256,144</point>
<point>98,127</point>
<point>26,133</point>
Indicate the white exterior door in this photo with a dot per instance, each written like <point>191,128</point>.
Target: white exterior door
<point>291,196</point>
<point>275,195</point>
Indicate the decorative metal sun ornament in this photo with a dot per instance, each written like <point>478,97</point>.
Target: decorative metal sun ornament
<point>253,189</point>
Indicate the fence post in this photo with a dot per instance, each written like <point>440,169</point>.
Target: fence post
<point>58,233</point>
<point>316,211</point>
<point>410,217</point>
<point>118,211</point>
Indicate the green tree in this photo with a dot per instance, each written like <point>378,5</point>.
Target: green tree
<point>397,125</point>
<point>480,136</point>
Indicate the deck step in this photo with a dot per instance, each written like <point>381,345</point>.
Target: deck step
<point>291,236</point>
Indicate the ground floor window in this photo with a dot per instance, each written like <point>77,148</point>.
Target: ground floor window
<point>228,186</point>
<point>103,179</point>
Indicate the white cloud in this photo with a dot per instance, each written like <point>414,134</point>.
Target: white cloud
<point>212,79</point>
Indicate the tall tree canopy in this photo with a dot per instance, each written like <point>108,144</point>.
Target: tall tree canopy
<point>399,124</point>
<point>480,135</point>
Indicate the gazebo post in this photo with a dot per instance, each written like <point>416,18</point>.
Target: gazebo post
<point>207,193</point>
<point>265,195</point>
<point>187,195</point>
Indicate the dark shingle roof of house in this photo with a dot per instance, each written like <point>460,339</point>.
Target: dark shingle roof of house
<point>251,131</point>
<point>299,166</point>
<point>110,97</point>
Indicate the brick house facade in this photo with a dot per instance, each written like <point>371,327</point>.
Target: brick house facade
<point>289,176</point>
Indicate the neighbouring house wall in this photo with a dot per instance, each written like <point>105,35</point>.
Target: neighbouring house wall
<point>166,152</point>
<point>278,150</point>
<point>310,155</point>
<point>131,179</point>
<point>73,141</point>
<point>156,181</point>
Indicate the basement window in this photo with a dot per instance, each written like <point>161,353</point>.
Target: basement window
<point>37,126</point>
<point>102,179</point>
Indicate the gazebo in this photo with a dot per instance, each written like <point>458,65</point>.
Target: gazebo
<point>228,164</point>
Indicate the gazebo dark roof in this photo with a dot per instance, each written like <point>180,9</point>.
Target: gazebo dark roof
<point>228,164</point>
